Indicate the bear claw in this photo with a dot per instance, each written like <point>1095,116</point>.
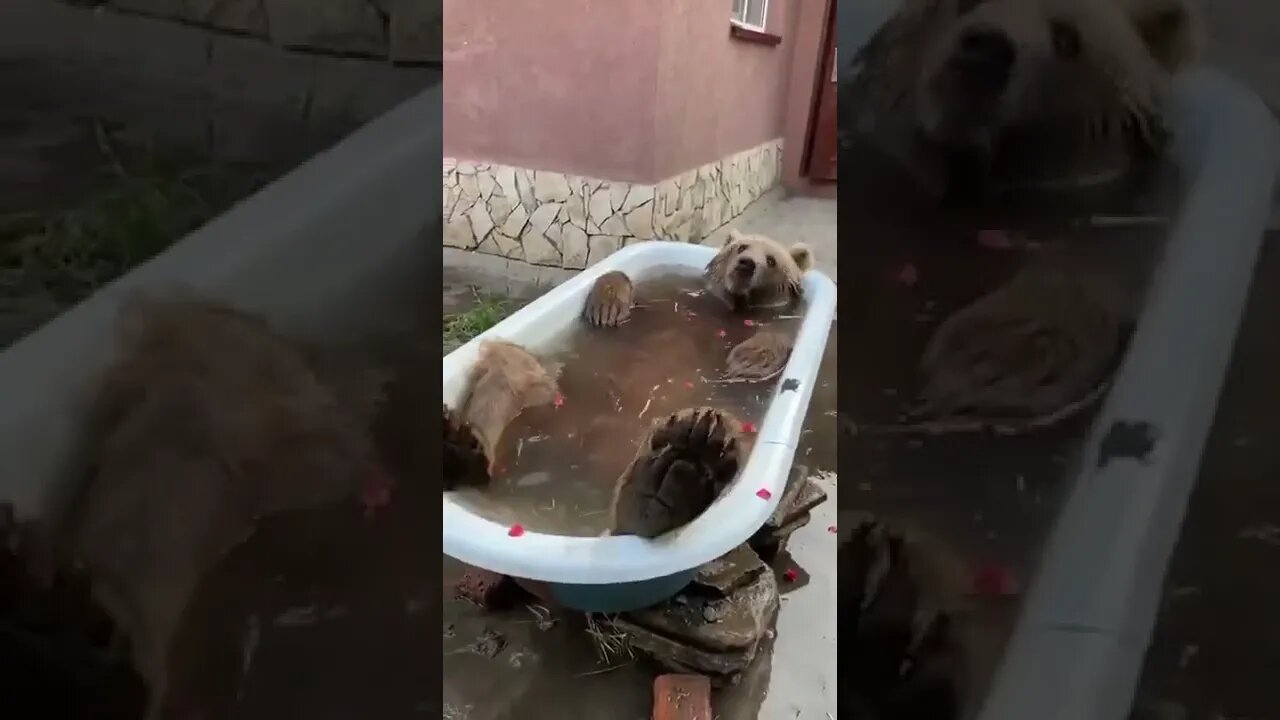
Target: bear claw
<point>682,467</point>
<point>609,302</point>
<point>896,674</point>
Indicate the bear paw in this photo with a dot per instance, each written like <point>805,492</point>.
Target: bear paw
<point>760,358</point>
<point>609,302</point>
<point>682,466</point>
<point>895,673</point>
<point>464,459</point>
<point>1028,349</point>
<point>57,633</point>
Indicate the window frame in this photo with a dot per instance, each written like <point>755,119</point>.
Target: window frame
<point>738,18</point>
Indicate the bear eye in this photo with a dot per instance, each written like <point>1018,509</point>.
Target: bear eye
<point>1066,39</point>
<point>742,248</point>
<point>770,261</point>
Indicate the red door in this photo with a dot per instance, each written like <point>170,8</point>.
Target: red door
<point>820,160</point>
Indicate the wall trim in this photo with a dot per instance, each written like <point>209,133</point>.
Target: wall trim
<point>554,219</point>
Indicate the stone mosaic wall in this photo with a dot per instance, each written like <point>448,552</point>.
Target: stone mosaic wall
<point>568,221</point>
<point>402,31</point>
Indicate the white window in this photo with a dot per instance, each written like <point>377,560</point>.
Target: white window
<point>750,14</point>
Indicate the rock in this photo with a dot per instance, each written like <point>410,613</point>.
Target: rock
<point>602,246</point>
<point>346,26</point>
<point>416,30</point>
<point>678,636</point>
<point>681,697</point>
<point>727,573</point>
<point>550,187</point>
<point>243,16</point>
<point>574,245</point>
<point>640,221</point>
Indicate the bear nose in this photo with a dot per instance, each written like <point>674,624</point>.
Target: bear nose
<point>986,56</point>
<point>746,265</point>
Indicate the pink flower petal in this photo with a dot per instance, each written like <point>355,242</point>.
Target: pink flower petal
<point>721,334</point>
<point>688,384</point>
<point>993,581</point>
<point>748,322</point>
<point>763,494</point>
<point>908,275</point>
<point>516,530</point>
<point>375,493</point>
<point>831,529</point>
<point>994,239</point>
<point>748,427</point>
<point>790,575</point>
<point>558,401</point>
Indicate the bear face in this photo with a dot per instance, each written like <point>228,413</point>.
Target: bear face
<point>757,271</point>
<point>1028,83</point>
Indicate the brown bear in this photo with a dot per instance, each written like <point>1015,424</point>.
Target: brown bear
<point>208,421</point>
<point>749,271</point>
<point>971,93</point>
<point>504,381</point>
<point>1048,93</point>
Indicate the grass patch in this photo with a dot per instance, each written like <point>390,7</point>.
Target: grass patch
<point>72,254</point>
<point>143,207</point>
<point>488,311</point>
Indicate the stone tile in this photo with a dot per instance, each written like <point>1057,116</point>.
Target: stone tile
<point>550,187</point>
<point>574,246</point>
<point>349,26</point>
<point>416,30</point>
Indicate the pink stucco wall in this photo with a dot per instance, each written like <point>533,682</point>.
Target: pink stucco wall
<point>609,88</point>
<point>716,94</point>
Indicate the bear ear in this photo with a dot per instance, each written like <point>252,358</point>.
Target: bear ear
<point>1171,30</point>
<point>734,236</point>
<point>803,256</point>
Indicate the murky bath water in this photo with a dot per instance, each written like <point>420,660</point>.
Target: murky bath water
<point>975,500</point>
<point>557,465</point>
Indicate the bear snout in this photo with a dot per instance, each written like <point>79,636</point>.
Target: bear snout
<point>984,58</point>
<point>745,266</point>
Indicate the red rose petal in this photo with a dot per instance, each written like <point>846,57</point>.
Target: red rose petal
<point>748,322</point>
<point>558,401</point>
<point>375,493</point>
<point>748,427</point>
<point>994,239</point>
<point>720,334</point>
<point>790,575</point>
<point>763,494</point>
<point>993,581</point>
<point>908,275</point>
<point>831,529</point>
<point>688,384</point>
<point>516,530</point>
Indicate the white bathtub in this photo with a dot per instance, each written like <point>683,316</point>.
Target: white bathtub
<point>730,521</point>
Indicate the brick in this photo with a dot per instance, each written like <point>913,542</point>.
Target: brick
<point>487,589</point>
<point>682,697</point>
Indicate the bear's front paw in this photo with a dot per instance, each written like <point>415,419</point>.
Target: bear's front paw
<point>760,358</point>
<point>1029,349</point>
<point>609,302</point>
<point>464,459</point>
<point>892,669</point>
<point>683,465</point>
